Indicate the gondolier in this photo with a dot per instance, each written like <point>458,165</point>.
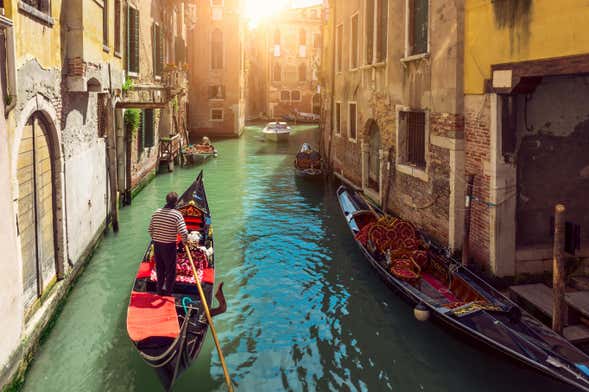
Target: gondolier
<point>166,223</point>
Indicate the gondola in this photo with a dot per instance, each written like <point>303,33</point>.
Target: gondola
<point>169,331</point>
<point>308,163</point>
<point>424,274</point>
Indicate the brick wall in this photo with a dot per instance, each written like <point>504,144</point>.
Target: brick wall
<point>477,156</point>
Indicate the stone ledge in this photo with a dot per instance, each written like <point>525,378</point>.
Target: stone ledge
<point>412,171</point>
<point>447,143</point>
<point>35,13</point>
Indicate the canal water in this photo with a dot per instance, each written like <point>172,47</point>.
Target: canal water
<point>305,311</point>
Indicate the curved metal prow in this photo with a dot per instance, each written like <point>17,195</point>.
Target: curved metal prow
<point>222,303</point>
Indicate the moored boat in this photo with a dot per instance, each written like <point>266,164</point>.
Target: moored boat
<point>199,152</point>
<point>169,330</point>
<point>276,131</point>
<point>308,162</point>
<point>442,288</point>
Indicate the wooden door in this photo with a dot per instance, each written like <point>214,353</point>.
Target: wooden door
<point>374,157</point>
<point>35,210</point>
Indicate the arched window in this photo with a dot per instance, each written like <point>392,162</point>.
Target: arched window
<point>302,37</point>
<point>276,37</point>
<point>276,73</point>
<point>217,49</point>
<point>302,72</point>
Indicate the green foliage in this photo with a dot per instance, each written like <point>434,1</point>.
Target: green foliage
<point>128,85</point>
<point>8,99</point>
<point>132,119</point>
<point>175,104</point>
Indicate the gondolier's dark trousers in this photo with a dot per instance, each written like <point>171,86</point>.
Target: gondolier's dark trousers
<point>165,266</point>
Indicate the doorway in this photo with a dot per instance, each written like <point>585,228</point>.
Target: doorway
<point>373,156</point>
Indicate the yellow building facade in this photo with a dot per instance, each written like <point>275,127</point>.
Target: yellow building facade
<point>526,127</point>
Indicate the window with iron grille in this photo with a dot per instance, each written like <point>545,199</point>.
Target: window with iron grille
<point>276,73</point>
<point>338,47</point>
<point>158,50</point>
<point>302,72</point>
<point>117,26</point>
<point>412,131</point>
<point>381,30</point>
<point>217,114</point>
<point>369,30</point>
<point>295,95</point>
<point>354,43</point>
<point>217,49</point>
<point>133,41</point>
<point>217,92</point>
<point>285,95</point>
<point>105,22</point>
<point>337,121</point>
<point>352,120</point>
<point>418,15</point>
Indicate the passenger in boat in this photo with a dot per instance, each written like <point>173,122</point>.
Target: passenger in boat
<point>166,223</point>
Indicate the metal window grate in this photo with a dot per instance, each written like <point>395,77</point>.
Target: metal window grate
<point>415,133</point>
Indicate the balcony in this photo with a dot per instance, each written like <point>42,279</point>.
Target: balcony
<point>175,79</point>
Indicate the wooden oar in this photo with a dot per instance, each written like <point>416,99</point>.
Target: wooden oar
<point>210,320</point>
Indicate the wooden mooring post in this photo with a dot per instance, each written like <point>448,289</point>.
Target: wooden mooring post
<point>467,213</point>
<point>558,274</point>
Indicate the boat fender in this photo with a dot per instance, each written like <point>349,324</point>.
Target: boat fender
<point>421,312</point>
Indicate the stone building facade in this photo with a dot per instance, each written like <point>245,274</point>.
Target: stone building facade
<point>291,45</point>
<point>217,70</point>
<point>63,68</point>
<point>392,107</point>
<point>526,128</point>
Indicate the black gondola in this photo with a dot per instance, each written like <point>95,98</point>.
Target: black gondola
<point>169,331</point>
<point>424,274</point>
<point>308,162</point>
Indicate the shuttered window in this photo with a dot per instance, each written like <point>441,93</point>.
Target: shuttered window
<point>217,49</point>
<point>285,95</point>
<point>276,73</point>
<point>381,30</point>
<point>295,95</point>
<point>338,118</point>
<point>418,26</point>
<point>133,41</point>
<point>352,126</point>
<point>118,26</point>
<point>148,128</point>
<point>413,127</point>
<point>354,43</point>
<point>158,50</point>
<point>302,72</point>
<point>105,22</point>
<point>339,48</point>
<point>369,31</point>
<point>302,37</point>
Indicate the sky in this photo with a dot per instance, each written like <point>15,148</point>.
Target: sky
<point>257,10</point>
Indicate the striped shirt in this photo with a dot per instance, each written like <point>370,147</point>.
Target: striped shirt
<point>166,224</point>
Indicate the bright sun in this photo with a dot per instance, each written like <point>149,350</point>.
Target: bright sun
<point>256,10</point>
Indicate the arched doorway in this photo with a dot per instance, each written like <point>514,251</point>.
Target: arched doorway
<point>317,104</point>
<point>373,155</point>
<point>36,223</point>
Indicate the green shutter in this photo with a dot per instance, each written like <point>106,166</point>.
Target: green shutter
<point>148,128</point>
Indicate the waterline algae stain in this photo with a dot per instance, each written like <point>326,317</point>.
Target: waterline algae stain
<point>305,312</point>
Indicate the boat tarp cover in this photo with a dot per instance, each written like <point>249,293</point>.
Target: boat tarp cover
<point>151,315</point>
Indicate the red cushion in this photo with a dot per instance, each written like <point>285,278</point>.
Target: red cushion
<point>208,275</point>
<point>150,315</point>
<point>145,268</point>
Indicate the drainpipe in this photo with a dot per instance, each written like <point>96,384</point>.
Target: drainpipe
<point>332,97</point>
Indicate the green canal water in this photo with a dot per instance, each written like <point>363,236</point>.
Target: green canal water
<point>305,311</point>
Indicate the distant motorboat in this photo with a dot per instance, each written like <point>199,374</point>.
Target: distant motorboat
<point>276,131</point>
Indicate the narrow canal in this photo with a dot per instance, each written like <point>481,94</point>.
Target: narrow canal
<point>306,313</point>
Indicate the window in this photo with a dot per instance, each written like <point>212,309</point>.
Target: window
<point>302,72</point>
<point>217,9</point>
<point>105,24</point>
<point>381,30</point>
<point>148,128</point>
<point>418,14</point>
<point>217,92</point>
<point>412,133</point>
<point>118,27</point>
<point>158,50</point>
<point>36,7</point>
<point>302,37</point>
<point>284,96</point>
<point>133,42</point>
<point>338,47</point>
<point>217,114</point>
<point>217,49</point>
<point>352,121</point>
<point>369,30</point>
<point>354,44</point>
<point>276,73</point>
<point>295,95</point>
<point>338,117</point>
<point>276,37</point>
<point>216,3</point>
<point>317,41</point>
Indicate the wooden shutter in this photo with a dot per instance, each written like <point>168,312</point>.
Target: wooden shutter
<point>117,26</point>
<point>381,36</point>
<point>369,30</point>
<point>133,55</point>
<point>148,128</point>
<point>416,138</point>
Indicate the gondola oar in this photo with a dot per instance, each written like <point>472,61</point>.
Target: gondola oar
<point>210,320</point>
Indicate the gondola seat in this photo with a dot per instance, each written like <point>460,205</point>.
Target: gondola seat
<point>151,315</point>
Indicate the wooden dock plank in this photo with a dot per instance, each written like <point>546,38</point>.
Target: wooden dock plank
<point>539,295</point>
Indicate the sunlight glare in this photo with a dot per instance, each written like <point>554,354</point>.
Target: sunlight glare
<point>257,10</point>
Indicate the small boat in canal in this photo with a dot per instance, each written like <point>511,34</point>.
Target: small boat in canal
<point>308,162</point>
<point>199,152</point>
<point>425,275</point>
<point>276,131</point>
<point>169,331</point>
